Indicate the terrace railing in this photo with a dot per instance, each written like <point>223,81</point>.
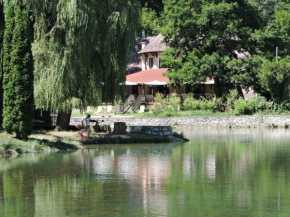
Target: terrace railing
<point>129,102</point>
<point>142,99</point>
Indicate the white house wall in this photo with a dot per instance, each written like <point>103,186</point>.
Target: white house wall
<point>145,63</point>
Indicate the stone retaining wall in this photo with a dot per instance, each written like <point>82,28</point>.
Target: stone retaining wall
<point>203,122</point>
<point>151,130</point>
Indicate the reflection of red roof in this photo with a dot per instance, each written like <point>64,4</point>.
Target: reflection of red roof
<point>148,76</point>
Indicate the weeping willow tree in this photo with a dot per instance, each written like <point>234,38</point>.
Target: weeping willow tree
<point>80,51</point>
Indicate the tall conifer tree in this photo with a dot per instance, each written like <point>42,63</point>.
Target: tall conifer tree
<point>18,74</point>
<point>2,24</point>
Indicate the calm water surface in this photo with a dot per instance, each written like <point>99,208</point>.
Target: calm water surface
<point>218,173</point>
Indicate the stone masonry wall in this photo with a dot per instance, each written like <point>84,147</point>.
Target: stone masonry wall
<point>202,122</point>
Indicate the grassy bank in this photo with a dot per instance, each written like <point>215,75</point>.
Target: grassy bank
<point>38,142</point>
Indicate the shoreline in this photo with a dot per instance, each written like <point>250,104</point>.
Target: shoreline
<point>51,141</point>
<point>38,142</point>
<point>253,121</point>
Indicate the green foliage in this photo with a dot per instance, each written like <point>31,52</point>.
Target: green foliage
<point>244,107</point>
<point>275,77</point>
<point>174,102</point>
<point>285,106</point>
<point>262,104</point>
<point>232,97</point>
<point>159,98</point>
<point>214,104</point>
<point>227,40</point>
<point>190,103</point>
<point>18,74</point>
<point>156,5</point>
<point>203,38</point>
<point>150,22</point>
<point>2,25</point>
<point>161,105</point>
<point>80,50</point>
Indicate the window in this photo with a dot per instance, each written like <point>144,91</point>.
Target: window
<point>160,62</point>
<point>150,62</point>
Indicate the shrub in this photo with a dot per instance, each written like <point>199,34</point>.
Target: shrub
<point>262,104</point>
<point>285,106</point>
<point>213,104</point>
<point>174,102</point>
<point>159,98</point>
<point>243,107</point>
<point>190,103</point>
<point>232,97</point>
<point>161,104</point>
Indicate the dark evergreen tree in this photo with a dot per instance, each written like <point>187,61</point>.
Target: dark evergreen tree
<point>2,24</point>
<point>18,74</point>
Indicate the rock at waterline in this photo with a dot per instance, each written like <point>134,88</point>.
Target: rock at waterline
<point>134,139</point>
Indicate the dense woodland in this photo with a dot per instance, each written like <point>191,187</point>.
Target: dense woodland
<point>76,52</point>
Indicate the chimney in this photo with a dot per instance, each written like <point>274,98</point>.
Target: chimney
<point>143,43</point>
<point>143,40</point>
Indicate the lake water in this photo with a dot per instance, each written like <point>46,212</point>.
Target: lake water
<point>218,173</point>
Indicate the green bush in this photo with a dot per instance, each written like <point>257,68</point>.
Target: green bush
<point>232,97</point>
<point>159,98</point>
<point>161,104</point>
<point>243,107</point>
<point>213,104</point>
<point>190,103</point>
<point>174,102</point>
<point>285,106</point>
<point>262,104</point>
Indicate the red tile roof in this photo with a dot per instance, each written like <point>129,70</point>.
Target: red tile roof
<point>148,76</point>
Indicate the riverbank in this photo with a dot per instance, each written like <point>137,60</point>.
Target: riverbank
<point>52,141</point>
<point>252,121</point>
<point>39,142</point>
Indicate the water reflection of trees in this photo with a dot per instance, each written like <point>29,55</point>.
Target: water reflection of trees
<point>251,173</point>
<point>217,173</point>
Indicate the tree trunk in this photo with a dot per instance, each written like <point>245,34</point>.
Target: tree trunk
<point>217,87</point>
<point>63,120</point>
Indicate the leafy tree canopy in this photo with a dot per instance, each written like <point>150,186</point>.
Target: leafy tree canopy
<point>80,50</point>
<point>150,22</point>
<point>155,5</point>
<point>275,76</point>
<point>205,36</point>
<point>225,39</point>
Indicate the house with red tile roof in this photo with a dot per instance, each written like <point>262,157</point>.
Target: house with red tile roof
<point>145,76</point>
